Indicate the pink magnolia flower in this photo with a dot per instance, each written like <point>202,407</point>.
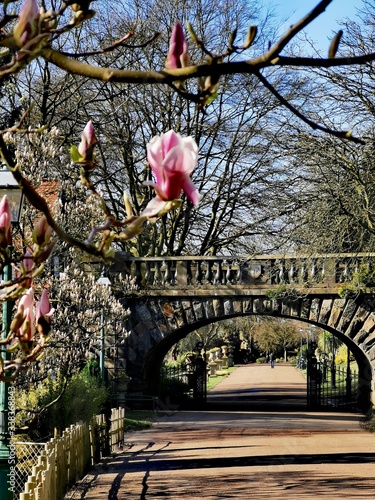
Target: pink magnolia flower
<point>172,159</point>
<point>88,141</point>
<point>5,223</point>
<point>178,54</point>
<point>26,306</point>
<point>27,26</point>
<point>26,268</point>
<point>42,232</point>
<point>43,309</point>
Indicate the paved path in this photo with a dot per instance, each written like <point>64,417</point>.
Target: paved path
<point>269,446</point>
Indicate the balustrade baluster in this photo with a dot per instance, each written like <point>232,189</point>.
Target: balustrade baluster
<point>282,272</point>
<point>199,273</point>
<point>175,275</point>
<point>148,273</point>
<point>345,275</point>
<point>291,272</point>
<point>313,270</point>
<point>272,270</point>
<point>338,271</point>
<point>189,273</point>
<point>217,277</point>
<point>167,280</point>
<point>227,276</point>
<point>303,272</point>
<point>136,272</point>
<point>208,275</point>
<point>157,273</point>
<point>224,269</point>
<point>323,271</point>
<point>239,273</point>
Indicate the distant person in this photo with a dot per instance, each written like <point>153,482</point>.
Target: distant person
<point>272,360</point>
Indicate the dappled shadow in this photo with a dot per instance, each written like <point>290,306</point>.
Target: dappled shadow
<point>144,462</point>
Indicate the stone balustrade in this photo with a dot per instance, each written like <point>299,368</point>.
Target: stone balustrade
<point>263,271</point>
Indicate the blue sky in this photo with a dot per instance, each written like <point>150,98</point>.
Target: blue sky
<point>321,29</point>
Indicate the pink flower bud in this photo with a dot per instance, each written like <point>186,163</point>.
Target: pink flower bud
<point>43,308</point>
<point>27,26</point>
<point>172,159</point>
<point>178,54</point>
<point>42,232</point>
<point>88,141</point>
<point>26,306</point>
<point>26,268</point>
<point>5,223</point>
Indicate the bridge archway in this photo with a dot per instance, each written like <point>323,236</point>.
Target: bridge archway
<point>179,294</point>
<point>154,360</point>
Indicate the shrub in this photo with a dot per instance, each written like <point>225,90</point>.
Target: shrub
<point>260,360</point>
<point>83,397</point>
<point>362,280</point>
<point>172,387</point>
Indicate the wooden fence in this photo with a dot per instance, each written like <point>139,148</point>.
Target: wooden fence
<point>65,459</point>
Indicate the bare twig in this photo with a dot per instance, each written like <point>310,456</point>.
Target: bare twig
<point>301,116</point>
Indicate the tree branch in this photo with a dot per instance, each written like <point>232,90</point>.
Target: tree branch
<point>312,124</point>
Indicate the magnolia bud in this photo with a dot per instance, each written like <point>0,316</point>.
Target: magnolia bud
<point>27,26</point>
<point>5,223</point>
<point>333,48</point>
<point>42,232</point>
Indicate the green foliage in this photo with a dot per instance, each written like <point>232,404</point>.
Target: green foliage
<point>276,293</point>
<point>273,335</point>
<point>260,360</point>
<point>81,398</point>
<point>178,362</point>
<point>282,292</point>
<point>327,341</point>
<point>362,280</point>
<point>172,387</point>
<point>341,355</point>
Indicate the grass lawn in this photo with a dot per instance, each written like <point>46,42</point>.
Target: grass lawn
<point>135,425</point>
<point>212,381</point>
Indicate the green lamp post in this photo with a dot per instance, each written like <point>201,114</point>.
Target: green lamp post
<point>9,187</point>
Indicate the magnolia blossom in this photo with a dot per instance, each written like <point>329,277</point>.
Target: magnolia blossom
<point>88,141</point>
<point>26,307</point>
<point>5,223</point>
<point>42,232</point>
<point>178,54</point>
<point>44,312</point>
<point>26,268</point>
<point>172,159</point>
<point>27,26</point>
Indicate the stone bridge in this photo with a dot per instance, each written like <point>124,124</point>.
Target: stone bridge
<point>178,295</point>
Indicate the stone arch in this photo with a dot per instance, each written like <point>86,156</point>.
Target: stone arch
<point>158,323</point>
<point>154,360</point>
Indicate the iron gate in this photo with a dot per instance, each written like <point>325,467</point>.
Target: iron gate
<point>330,387</point>
<point>187,383</point>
